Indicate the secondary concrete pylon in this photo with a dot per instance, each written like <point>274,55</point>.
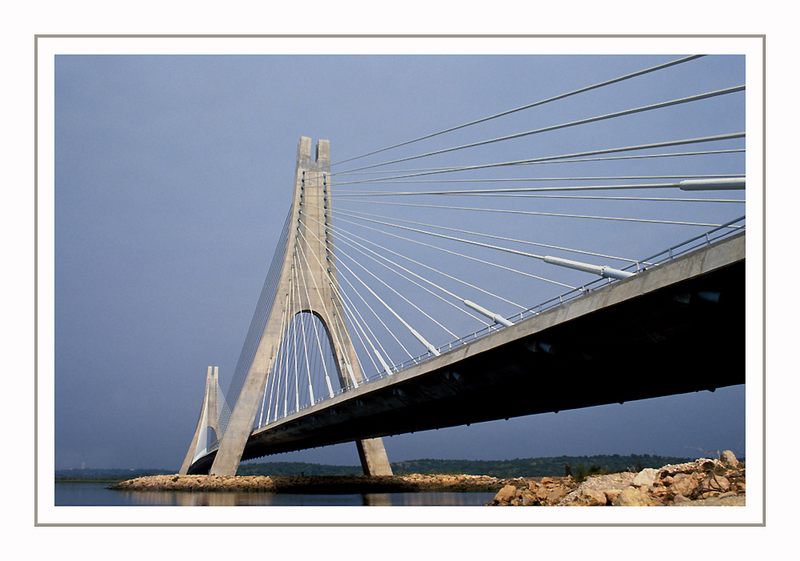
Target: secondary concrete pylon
<point>207,430</point>
<point>308,256</point>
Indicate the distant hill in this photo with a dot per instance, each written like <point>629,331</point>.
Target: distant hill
<point>296,468</point>
<point>539,467</point>
<point>578,466</point>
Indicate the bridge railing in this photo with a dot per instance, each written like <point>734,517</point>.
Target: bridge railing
<point>722,231</point>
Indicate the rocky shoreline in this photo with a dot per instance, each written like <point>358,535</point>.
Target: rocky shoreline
<point>701,482</point>
<point>315,484</point>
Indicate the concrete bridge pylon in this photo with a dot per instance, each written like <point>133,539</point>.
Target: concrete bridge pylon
<point>307,236</point>
<point>208,422</point>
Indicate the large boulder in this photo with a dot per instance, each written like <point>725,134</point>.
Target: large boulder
<point>555,494</point>
<point>645,478</point>
<point>505,495</point>
<point>683,484</point>
<point>728,459</point>
<point>633,496</point>
<point>593,490</point>
<point>612,495</point>
<point>715,484</point>
<point>591,497</point>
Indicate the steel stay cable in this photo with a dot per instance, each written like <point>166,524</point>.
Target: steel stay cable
<point>531,105</point>
<point>356,245</point>
<point>560,126</point>
<point>313,319</point>
<point>298,338</point>
<point>309,318</point>
<point>338,324</point>
<point>566,197</point>
<point>641,156</point>
<point>341,327</point>
<point>281,359</point>
<point>261,313</point>
<point>295,320</point>
<point>529,161</point>
<point>565,161</point>
<point>334,335</point>
<point>341,231</point>
<point>304,340</point>
<point>471,242</point>
<point>430,268</point>
<point>327,314</point>
<point>283,370</point>
<point>576,160</point>
<point>353,319</point>
<point>359,331</point>
<point>377,316</point>
<point>492,263</point>
<point>342,296</point>
<point>286,367</point>
<point>307,358</point>
<point>607,187</point>
<point>351,241</point>
<point>264,401</point>
<point>273,377</point>
<point>449,332</point>
<point>356,214</point>
<point>610,198</point>
<point>255,328</point>
<point>391,310</point>
<point>379,180</point>
<point>314,325</point>
<point>338,333</point>
<point>334,286</point>
<point>312,369</point>
<point>290,344</point>
<point>550,214</point>
<point>271,374</point>
<point>346,299</point>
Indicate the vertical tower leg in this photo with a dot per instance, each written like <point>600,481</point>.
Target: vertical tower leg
<point>372,454</point>
<point>209,419</point>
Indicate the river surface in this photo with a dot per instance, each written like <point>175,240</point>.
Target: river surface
<point>97,494</point>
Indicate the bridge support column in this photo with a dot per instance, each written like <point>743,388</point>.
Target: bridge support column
<point>372,454</point>
<point>208,420</point>
<point>307,256</point>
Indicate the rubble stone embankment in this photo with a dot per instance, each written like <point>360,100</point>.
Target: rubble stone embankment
<point>315,484</point>
<point>703,482</point>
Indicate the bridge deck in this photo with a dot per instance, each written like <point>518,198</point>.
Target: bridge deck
<point>676,328</point>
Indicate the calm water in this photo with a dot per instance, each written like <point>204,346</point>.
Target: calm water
<point>96,494</point>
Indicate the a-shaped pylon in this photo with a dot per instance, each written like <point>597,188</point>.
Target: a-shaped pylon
<point>207,431</point>
<point>309,238</point>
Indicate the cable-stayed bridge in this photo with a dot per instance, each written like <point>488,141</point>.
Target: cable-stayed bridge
<point>406,298</point>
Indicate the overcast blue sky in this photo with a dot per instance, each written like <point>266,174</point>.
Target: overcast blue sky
<point>174,176</point>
